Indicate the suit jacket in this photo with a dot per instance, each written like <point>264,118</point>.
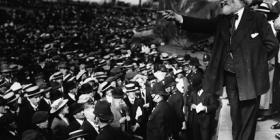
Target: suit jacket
<point>176,101</point>
<point>59,129</point>
<point>25,116</point>
<point>74,125</point>
<point>208,100</point>
<point>161,122</point>
<point>110,133</point>
<point>250,53</point>
<point>89,129</point>
<point>44,106</point>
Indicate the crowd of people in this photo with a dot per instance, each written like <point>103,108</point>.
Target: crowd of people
<point>74,72</point>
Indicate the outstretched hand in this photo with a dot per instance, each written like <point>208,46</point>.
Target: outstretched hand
<point>171,15</point>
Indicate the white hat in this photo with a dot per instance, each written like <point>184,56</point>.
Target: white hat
<point>58,104</point>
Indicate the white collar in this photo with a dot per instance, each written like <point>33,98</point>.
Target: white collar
<point>239,13</point>
<point>33,106</point>
<point>80,121</point>
<point>93,125</point>
<point>200,92</point>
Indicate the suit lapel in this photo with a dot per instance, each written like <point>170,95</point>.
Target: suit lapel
<point>242,29</point>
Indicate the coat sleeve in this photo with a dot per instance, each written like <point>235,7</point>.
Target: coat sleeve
<point>199,25</point>
<point>212,104</point>
<point>269,40</point>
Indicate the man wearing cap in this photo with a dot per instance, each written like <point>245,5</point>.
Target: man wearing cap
<point>40,129</point>
<point>28,107</point>
<point>77,116</point>
<point>103,118</point>
<point>8,127</point>
<point>161,122</point>
<point>135,109</point>
<point>243,43</point>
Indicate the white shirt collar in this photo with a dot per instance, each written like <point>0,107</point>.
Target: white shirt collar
<point>80,121</point>
<point>240,14</point>
<point>94,126</point>
<point>33,106</point>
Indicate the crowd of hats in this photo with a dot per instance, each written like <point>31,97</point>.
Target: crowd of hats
<point>59,49</point>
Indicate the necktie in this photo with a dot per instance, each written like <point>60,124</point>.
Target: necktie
<point>233,18</point>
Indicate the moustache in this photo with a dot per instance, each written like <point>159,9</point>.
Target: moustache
<point>223,3</point>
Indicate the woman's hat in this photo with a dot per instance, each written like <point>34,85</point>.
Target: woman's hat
<point>58,104</point>
<point>103,111</point>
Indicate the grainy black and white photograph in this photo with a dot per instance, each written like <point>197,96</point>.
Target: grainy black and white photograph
<point>139,70</point>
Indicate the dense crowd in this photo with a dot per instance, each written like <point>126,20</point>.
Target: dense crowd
<point>74,72</point>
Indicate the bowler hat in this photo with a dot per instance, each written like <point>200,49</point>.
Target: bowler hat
<point>103,111</point>
<point>117,93</point>
<point>39,117</point>
<point>76,108</point>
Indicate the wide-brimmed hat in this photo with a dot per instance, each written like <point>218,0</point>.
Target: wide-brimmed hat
<point>5,68</point>
<point>33,91</point>
<point>265,8</point>
<point>103,111</point>
<point>76,134</point>
<point>165,56</point>
<point>58,104</point>
<point>10,97</point>
<point>130,87</point>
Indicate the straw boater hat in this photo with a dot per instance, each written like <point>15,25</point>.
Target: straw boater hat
<point>58,104</point>
<point>165,56</point>
<point>33,91</point>
<point>10,97</point>
<point>76,134</point>
<point>130,87</point>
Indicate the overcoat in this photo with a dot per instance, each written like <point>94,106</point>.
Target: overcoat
<point>253,44</point>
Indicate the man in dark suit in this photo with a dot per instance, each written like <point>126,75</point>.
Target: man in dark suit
<point>77,116</point>
<point>243,43</point>
<point>161,122</point>
<point>90,128</point>
<point>104,116</point>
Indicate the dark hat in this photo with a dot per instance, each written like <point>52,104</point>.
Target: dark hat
<point>103,110</point>
<point>3,82</point>
<point>168,81</point>
<point>116,70</point>
<point>158,88</point>
<point>39,117</point>
<point>85,89</point>
<point>117,93</point>
<point>76,108</point>
<point>76,134</point>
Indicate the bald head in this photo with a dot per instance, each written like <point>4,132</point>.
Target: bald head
<point>232,6</point>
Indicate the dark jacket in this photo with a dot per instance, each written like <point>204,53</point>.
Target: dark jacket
<point>208,100</point>
<point>110,133</point>
<point>176,101</point>
<point>161,122</point>
<point>25,116</point>
<point>89,129</point>
<point>250,53</point>
<point>44,106</point>
<point>59,129</point>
